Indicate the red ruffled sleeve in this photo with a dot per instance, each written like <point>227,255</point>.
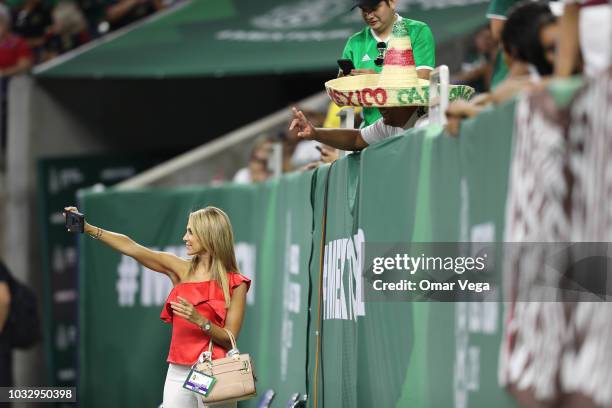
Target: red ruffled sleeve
<point>236,279</point>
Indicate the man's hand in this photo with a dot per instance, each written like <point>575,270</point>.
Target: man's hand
<point>305,129</point>
<point>363,71</point>
<point>328,154</point>
<point>458,111</point>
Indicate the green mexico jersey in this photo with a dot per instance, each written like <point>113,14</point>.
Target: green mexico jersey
<point>361,49</point>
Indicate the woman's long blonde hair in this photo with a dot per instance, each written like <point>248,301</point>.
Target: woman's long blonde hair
<point>213,229</point>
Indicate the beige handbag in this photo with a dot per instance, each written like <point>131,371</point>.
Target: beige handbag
<point>235,375</point>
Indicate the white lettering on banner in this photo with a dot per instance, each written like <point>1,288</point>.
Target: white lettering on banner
<point>470,318</point>
<point>342,278</point>
<point>279,36</point>
<point>473,318</point>
<point>65,336</point>
<point>63,258</point>
<point>117,173</point>
<point>286,345</point>
<point>64,178</point>
<point>246,256</point>
<point>294,259</point>
<point>301,14</point>
<point>464,210</point>
<point>154,288</point>
<point>431,4</point>
<point>293,301</point>
<point>127,284</point>
<point>292,295</point>
<point>316,13</point>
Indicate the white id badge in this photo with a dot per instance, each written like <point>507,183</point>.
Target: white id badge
<point>199,382</point>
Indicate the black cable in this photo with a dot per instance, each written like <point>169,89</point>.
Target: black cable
<point>309,317</point>
<point>320,280</point>
<point>324,239</point>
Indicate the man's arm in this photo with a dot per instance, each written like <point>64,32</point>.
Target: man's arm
<point>568,53</point>
<point>22,66</point>
<point>5,302</point>
<point>345,139</point>
<point>423,73</point>
<point>117,11</point>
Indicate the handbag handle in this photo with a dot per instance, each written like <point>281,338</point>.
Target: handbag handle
<point>207,355</point>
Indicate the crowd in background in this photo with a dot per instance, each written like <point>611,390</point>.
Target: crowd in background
<point>526,45</point>
<point>44,29</point>
<point>36,31</point>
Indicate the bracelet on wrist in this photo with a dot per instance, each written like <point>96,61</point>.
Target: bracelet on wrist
<point>97,234</point>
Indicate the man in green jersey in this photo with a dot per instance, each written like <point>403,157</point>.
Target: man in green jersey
<point>361,48</point>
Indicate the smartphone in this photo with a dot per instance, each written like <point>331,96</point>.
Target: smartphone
<point>346,65</point>
<point>75,222</point>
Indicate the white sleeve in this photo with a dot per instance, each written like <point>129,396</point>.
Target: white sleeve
<point>242,176</point>
<point>373,133</point>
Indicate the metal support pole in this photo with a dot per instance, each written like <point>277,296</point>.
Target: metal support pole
<point>438,95</point>
<point>347,120</point>
<point>275,162</point>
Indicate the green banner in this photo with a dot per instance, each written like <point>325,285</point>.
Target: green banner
<point>420,187</point>
<point>238,37</point>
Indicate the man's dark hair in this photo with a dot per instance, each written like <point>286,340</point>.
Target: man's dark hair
<point>521,33</point>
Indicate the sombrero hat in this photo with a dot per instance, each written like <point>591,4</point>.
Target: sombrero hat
<point>396,86</point>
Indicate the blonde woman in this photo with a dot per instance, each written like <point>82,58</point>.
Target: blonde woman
<point>209,294</point>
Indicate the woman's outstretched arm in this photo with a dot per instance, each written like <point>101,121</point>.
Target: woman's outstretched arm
<point>163,262</point>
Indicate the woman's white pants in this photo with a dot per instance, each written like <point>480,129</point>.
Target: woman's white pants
<point>175,396</point>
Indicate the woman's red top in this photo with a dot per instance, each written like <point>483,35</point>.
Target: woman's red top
<point>189,340</point>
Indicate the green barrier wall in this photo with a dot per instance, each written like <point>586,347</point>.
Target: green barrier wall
<point>420,187</point>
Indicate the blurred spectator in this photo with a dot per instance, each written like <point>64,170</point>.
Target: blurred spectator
<point>585,30</point>
<point>477,73</point>
<point>257,170</point>
<point>329,154</point>
<point>15,53</point>
<point>299,152</point>
<point>69,30</point>
<point>529,38</point>
<point>120,13</point>
<point>31,21</point>
<point>15,58</point>
<point>94,12</point>
<point>6,360</point>
<point>496,14</point>
<point>528,24</point>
